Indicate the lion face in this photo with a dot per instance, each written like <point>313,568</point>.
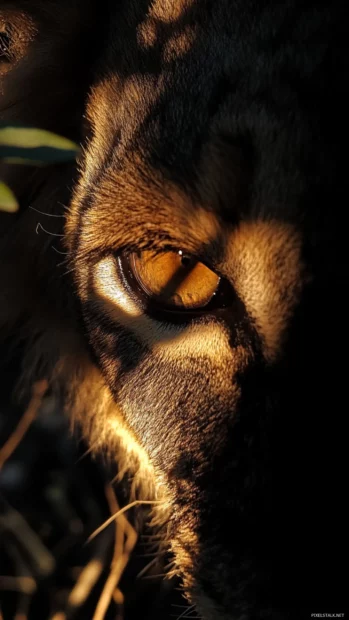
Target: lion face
<point>197,235</point>
<point>187,236</point>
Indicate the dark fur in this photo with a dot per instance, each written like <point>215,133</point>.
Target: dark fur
<point>222,130</point>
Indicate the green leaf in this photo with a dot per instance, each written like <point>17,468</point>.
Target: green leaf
<point>29,137</point>
<point>8,201</point>
<point>22,162</point>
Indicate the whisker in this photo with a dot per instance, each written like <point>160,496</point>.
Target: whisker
<point>147,567</point>
<point>58,251</point>
<point>159,576</point>
<point>186,607</point>
<point>196,617</point>
<point>179,606</point>
<point>86,453</point>
<point>151,549</point>
<point>169,566</point>
<point>64,207</point>
<point>188,610</point>
<point>39,225</point>
<point>43,212</point>
<point>66,273</point>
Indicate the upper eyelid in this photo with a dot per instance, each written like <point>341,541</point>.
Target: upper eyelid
<point>161,242</point>
<point>152,246</point>
<point>158,251</point>
<point>144,244</point>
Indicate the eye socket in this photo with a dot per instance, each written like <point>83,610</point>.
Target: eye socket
<point>172,280</point>
<point>5,54</point>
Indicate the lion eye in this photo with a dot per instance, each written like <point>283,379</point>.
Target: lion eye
<point>5,54</point>
<point>174,280</point>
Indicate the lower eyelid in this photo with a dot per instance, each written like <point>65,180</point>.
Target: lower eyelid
<point>124,282</point>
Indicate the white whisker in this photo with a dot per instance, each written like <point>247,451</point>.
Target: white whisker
<point>147,567</point>
<point>43,212</point>
<point>58,251</point>
<point>189,610</point>
<point>39,225</point>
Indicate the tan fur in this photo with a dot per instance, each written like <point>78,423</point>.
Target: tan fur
<point>169,10</point>
<point>23,29</point>
<point>264,259</point>
<point>179,44</point>
<point>146,34</point>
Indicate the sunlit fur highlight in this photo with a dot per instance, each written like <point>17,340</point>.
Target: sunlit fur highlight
<point>264,261</point>
<point>169,10</point>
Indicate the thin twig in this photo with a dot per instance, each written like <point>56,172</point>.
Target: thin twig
<point>38,392</point>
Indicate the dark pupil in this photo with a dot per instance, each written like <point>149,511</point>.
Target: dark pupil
<point>4,46</point>
<point>186,260</point>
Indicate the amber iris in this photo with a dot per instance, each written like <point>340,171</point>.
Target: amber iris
<point>174,279</point>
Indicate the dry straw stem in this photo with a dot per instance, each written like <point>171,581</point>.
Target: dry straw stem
<point>137,502</point>
<point>125,541</point>
<point>38,393</point>
<point>86,581</point>
<point>40,559</point>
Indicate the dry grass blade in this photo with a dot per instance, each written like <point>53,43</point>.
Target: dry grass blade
<point>38,392</point>
<point>119,529</point>
<point>125,541</point>
<point>137,502</point>
<point>26,585</point>
<point>86,581</point>
<point>41,560</point>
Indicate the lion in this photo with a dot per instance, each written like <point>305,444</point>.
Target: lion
<point>183,295</point>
